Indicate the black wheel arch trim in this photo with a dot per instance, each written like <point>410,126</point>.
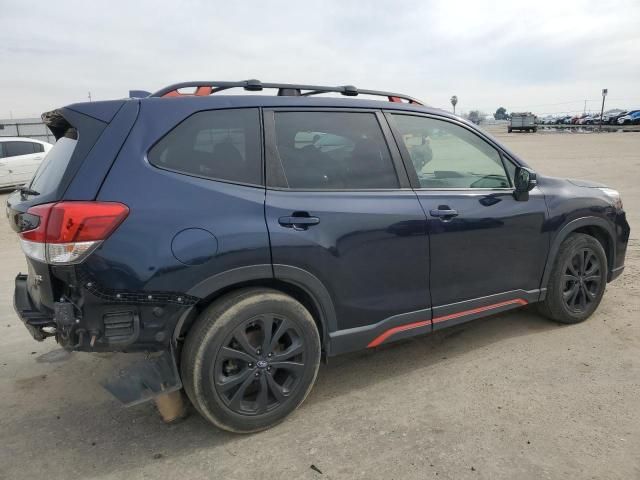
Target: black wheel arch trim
<point>571,227</point>
<point>316,290</point>
<point>287,274</point>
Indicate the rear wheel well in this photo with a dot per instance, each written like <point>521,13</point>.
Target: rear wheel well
<point>602,236</point>
<point>294,291</point>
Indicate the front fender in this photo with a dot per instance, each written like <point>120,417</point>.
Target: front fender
<point>566,230</point>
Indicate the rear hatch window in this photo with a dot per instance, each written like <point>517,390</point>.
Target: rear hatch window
<point>55,163</point>
<point>76,134</point>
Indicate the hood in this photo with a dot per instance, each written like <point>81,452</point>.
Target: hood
<point>586,183</point>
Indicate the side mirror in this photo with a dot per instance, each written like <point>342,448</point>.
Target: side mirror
<point>524,181</point>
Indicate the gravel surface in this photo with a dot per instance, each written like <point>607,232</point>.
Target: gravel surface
<point>511,396</point>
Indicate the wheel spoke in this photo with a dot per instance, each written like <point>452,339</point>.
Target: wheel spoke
<point>228,352</point>
<point>294,350</point>
<point>592,278</point>
<point>569,278</point>
<point>263,395</point>
<point>583,298</point>
<point>592,266</point>
<point>569,295</point>
<point>276,390</point>
<point>267,328</point>
<point>294,367</point>
<point>280,331</point>
<point>233,380</point>
<point>590,295</point>
<point>241,338</point>
<point>581,265</point>
<point>239,395</point>
<point>572,268</point>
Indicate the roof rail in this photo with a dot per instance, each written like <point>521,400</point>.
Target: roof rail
<point>205,88</point>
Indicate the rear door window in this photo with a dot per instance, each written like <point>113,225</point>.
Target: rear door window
<point>15,149</point>
<point>218,144</point>
<point>333,151</point>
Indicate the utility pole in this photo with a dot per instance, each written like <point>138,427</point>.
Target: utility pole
<point>584,110</point>
<point>89,96</point>
<point>604,94</point>
<point>454,101</point>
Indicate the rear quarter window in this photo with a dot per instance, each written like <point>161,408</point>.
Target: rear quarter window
<point>218,144</point>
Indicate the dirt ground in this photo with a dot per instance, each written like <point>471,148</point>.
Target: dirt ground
<point>509,397</point>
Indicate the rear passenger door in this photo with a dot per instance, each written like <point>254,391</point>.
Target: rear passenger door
<point>339,207</point>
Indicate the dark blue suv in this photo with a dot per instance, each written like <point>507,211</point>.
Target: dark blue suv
<point>243,237</point>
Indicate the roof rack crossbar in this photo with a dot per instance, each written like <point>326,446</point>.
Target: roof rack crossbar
<point>204,88</point>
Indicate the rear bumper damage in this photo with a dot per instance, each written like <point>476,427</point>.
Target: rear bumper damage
<point>33,318</point>
<point>105,324</point>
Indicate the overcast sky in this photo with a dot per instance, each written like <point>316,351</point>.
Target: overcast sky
<point>542,56</point>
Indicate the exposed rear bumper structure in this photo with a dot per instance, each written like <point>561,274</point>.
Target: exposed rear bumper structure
<point>35,320</point>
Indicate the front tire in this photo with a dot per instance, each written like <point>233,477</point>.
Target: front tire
<point>578,280</point>
<point>251,359</point>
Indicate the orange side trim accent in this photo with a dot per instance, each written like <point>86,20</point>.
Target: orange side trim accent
<point>392,331</point>
<point>410,326</point>
<point>451,316</point>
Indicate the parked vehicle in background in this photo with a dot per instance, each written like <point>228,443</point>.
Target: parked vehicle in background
<point>611,116</point>
<point>241,237</point>
<point>631,118</point>
<point>523,122</point>
<point>592,120</point>
<point>20,157</point>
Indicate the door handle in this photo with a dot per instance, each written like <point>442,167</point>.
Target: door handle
<point>298,222</point>
<point>444,213</point>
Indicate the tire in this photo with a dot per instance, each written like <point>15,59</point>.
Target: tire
<point>569,299</point>
<point>227,374</point>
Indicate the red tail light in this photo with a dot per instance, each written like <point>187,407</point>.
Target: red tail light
<point>71,230</point>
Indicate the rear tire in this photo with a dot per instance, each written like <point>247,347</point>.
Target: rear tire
<point>578,280</point>
<point>250,359</point>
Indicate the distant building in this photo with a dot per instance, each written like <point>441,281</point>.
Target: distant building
<point>26,127</point>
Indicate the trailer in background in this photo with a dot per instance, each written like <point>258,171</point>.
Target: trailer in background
<point>523,122</point>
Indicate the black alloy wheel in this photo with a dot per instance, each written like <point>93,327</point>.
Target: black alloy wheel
<point>577,280</point>
<point>260,365</point>
<point>582,280</point>
<point>250,359</point>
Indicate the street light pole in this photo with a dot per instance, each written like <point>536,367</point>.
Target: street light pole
<point>604,94</point>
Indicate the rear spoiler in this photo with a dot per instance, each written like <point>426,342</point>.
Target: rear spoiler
<point>139,94</point>
<point>56,122</point>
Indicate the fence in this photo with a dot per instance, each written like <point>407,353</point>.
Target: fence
<point>26,127</point>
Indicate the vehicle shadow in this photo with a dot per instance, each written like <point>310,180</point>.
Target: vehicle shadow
<point>88,434</point>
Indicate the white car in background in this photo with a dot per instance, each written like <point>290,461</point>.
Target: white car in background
<point>19,159</point>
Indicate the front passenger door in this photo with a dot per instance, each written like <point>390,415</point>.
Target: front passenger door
<point>488,250</point>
